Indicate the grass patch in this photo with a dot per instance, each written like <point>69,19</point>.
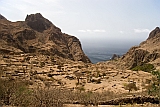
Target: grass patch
<point>144,67</point>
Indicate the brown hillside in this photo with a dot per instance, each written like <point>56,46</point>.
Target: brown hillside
<point>38,35</point>
<point>147,52</point>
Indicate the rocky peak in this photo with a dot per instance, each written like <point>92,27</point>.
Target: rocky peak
<point>154,33</point>
<point>2,17</point>
<point>38,22</point>
<point>34,16</point>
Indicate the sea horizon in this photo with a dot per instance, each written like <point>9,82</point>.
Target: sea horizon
<point>100,54</point>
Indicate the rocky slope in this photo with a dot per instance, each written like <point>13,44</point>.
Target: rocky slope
<point>147,52</point>
<point>2,17</point>
<point>38,35</point>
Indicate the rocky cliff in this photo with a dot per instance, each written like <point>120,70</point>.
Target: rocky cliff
<point>38,35</point>
<point>147,52</point>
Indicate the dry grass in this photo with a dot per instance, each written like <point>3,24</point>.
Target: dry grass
<point>138,105</point>
<point>129,105</point>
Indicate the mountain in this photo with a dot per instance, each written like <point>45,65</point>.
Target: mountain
<point>39,36</point>
<point>2,17</point>
<point>147,52</point>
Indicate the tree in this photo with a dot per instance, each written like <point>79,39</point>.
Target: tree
<point>78,76</point>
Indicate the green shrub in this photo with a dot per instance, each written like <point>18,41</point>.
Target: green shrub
<point>131,86</point>
<point>154,88</point>
<point>144,67</point>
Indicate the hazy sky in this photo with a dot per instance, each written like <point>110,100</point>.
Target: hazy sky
<point>94,22</point>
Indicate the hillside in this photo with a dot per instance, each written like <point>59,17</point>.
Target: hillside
<point>146,52</point>
<point>39,36</point>
<point>42,67</point>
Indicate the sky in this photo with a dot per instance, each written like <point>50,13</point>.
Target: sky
<point>97,23</point>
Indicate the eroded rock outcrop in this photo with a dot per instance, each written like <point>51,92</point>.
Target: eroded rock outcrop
<point>38,35</point>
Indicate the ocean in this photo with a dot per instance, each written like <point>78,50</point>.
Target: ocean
<point>103,54</point>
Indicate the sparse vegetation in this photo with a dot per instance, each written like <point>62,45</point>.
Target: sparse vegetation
<point>19,94</point>
<point>97,81</point>
<point>14,92</point>
<point>131,86</point>
<point>60,83</point>
<point>42,64</point>
<point>144,67</point>
<point>154,88</point>
<point>81,88</point>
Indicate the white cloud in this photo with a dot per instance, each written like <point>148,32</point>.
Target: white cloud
<point>99,31</point>
<point>141,30</point>
<point>121,32</point>
<point>81,31</point>
<point>92,31</point>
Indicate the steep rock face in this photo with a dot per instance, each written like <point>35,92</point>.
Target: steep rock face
<point>75,48</point>
<point>147,52</point>
<point>38,35</point>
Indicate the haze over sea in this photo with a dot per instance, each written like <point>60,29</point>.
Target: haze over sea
<point>103,54</point>
<point>103,51</point>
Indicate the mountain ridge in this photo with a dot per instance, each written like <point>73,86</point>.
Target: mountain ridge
<point>38,35</point>
<point>146,52</point>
